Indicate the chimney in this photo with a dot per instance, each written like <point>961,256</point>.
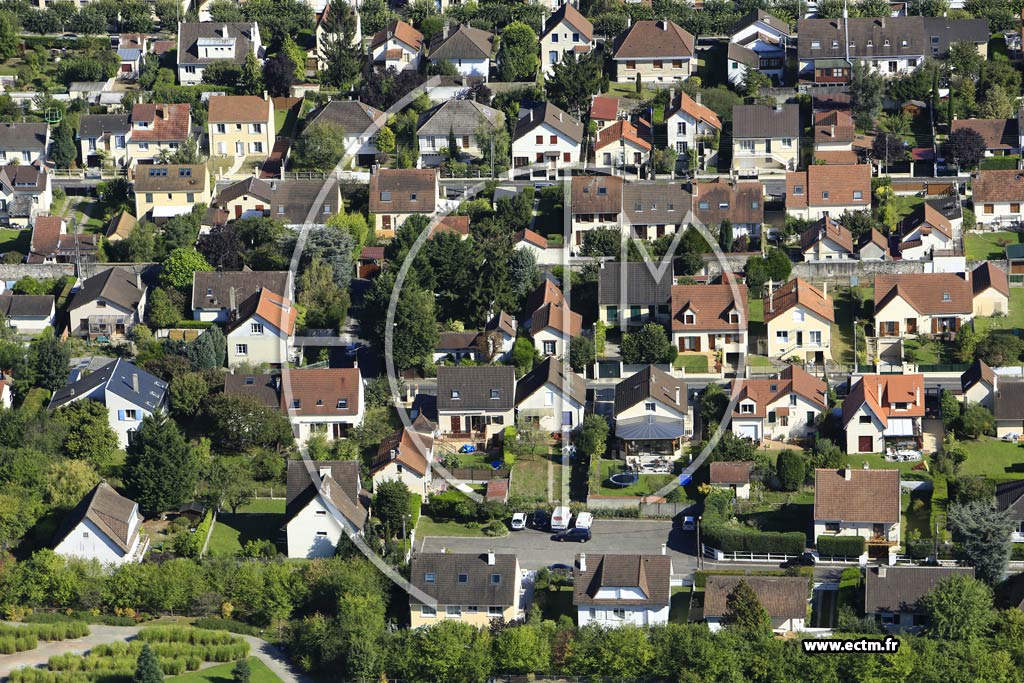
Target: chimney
<point>135,382</point>
<point>583,562</point>
<point>224,31</point>
<point>324,472</point>
<point>995,383</point>
<point>677,394</point>
<point>444,31</point>
<point>847,473</point>
<point>664,24</point>
<point>833,132</point>
<point>490,558</point>
<point>881,571</point>
<point>231,299</point>
<point>138,280</point>
<point>917,395</point>
<point>559,116</point>
<point>967,275</point>
<point>394,453</point>
<point>771,298</point>
<point>697,98</point>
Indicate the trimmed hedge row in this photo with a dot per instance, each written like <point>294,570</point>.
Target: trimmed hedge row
<point>231,625</point>
<point>733,539</point>
<point>62,630</point>
<point>845,546</point>
<point>10,645</point>
<point>192,636</point>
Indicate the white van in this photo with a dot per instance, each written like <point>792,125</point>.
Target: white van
<point>560,518</point>
<point>584,520</point>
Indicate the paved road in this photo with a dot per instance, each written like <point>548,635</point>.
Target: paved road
<point>268,654</point>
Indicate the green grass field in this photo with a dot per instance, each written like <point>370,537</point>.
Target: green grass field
<point>756,361</point>
<point>679,610</point>
<point>14,240</point>
<point>428,527</point>
<point>988,245</point>
<point>261,519</point>
<point>1015,318</point>
<point>530,478</point>
<point>647,484</point>
<point>691,362</point>
<point>222,674</point>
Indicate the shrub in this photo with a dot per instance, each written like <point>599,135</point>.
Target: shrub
<point>231,625</point>
<point>848,546</point>
<point>450,505</point>
<point>791,470</point>
<point>730,539</point>
<point>970,488</point>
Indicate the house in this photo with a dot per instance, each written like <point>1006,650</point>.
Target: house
<point>129,393</point>
<point>547,137</point>
<point>551,396</point>
<point>652,209</point>
<point>828,190</point>
<point>552,327</point>
<point>631,294</point>
<point>202,43</point>
<point>458,225</point>
<point>108,305</point>
<point>1002,136</point>
<point>924,232</point>
<point>295,202</point>
<point>360,123</point>
<point>324,500</point>
<point>1010,501</point>
<point>656,51</point>
<point>892,595</point>
<point>405,456</point>
<point>604,111</point>
<point>240,125</point>
<point>105,526</point>
<point>157,128</point>
<point>538,244</point>
<point>781,408</point>
<point>130,63</point>
<point>998,196</point>
<point>167,190</point>
<point>883,412</point>
<point>26,314</point>
<point>711,319</point>
<point>827,241</point>
<point>731,476</point>
<point>261,330</point>
<point>475,589</point>
<point>326,401</point>
<point>834,134</point>
<point>991,288</point>
<point>475,401</point>
<point>873,246</point>
<point>323,32</point>
<point>595,202</point>
<point>456,346</point>
<point>618,590</point>
<point>858,502</point>
<point>766,139</point>
<point>25,191</point>
<point>651,414</point>
<point>922,303</point>
<point>891,46</point>
<point>121,225</point>
<point>799,318</point>
<point>692,126</point>
<point>215,295</point>
<point>758,41</point>
<point>371,262</point>
<point>396,194</point>
<point>51,243</point>
<point>566,30</point>
<point>24,143</point>
<point>740,202</point>
<point>466,48</point>
<point>1008,409</point>
<point>264,389</point>
<point>786,599</point>
<point>397,45</point>
<point>461,120</point>
<point>623,145</point>
<point>103,138</point>
<point>979,384</point>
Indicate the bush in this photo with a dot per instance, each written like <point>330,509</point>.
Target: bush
<point>730,539</point>
<point>791,470</point>
<point>231,625</point>
<point>970,488</point>
<point>841,546</point>
<point>450,505</point>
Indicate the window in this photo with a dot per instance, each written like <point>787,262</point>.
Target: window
<point>681,128</point>
<point>549,348</point>
<point>824,194</point>
<point>429,577</point>
<point>554,37</point>
<point>857,194</point>
<point>190,197</point>
<point>149,197</point>
<point>256,328</point>
<point>257,128</point>
<point>650,406</point>
<point>385,196</point>
<point>131,414</point>
<point>494,394</point>
<point>184,173</point>
<point>835,44</point>
<point>689,318</point>
<point>427,611</point>
<point>495,579</point>
<point>619,613</point>
<point>677,64</point>
<point>412,197</point>
<point>799,315</point>
<point>815,44</point>
<point>85,534</point>
<point>900,406</point>
<point>342,403</point>
<point>575,37</point>
<point>250,381</point>
<point>747,145</point>
<point>815,337</point>
<point>553,139</point>
<point>322,513</point>
<point>792,400</point>
<point>463,578</point>
<point>832,527</point>
<point>865,419</point>
<point>321,533</point>
<point>746,409</point>
<point>657,63</point>
<point>787,142</point>
<point>453,610</point>
<point>472,608</point>
<point>455,394</point>
<point>798,190</point>
<point>540,140</point>
<point>782,336</point>
<point>241,349</point>
<point>494,611</point>
<point>886,43</point>
<point>257,147</point>
<point>935,40</point>
<point>631,64</point>
<point>296,403</point>
<point>870,43</point>
<point>946,297</point>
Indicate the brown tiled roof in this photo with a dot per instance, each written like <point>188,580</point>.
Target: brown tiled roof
<point>275,309</point>
<point>988,275</point>
<point>121,225</point>
<point>604,108</point>
<point>553,315</point>
<point>880,392</point>
<point>783,597</point>
<point>108,510</point>
<point>318,392</point>
<point>869,495</point>
<point>405,190</point>
<point>530,237</point>
<point>169,122</point>
<point>497,489</point>
<point>46,235</point>
<point>845,157</point>
<point>648,573</point>
<point>833,126</point>
<point>730,472</point>
<point>646,39</point>
<point>650,383</point>
<point>798,292</point>
<point>408,447</point>
<point>478,587</point>
<point>927,293</point>
<point>213,289</point>
<point>401,30</point>
<point>792,380</point>
<point>827,228</point>
<point>998,133</point>
<point>569,14</point>
<point>546,292</point>
<point>239,109</point>
<point>621,130</point>
<point>927,216</point>
<point>827,185</point>
<point>596,194</point>
<point>901,589</point>
<point>695,109</point>
<point>341,485</point>
<point>457,224</point>
<point>711,306</point>
<point>978,372</point>
<point>371,254</point>
<point>743,201</point>
<point>998,186</point>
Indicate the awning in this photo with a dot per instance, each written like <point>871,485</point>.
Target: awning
<point>170,211</point>
<point>899,426</point>
<point>648,428</point>
<point>831,64</point>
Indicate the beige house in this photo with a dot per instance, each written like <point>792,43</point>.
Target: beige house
<point>991,288</point>
<point>1008,408</point>
<point>922,303</point>
<point>731,476</point>
<point>711,320</point>
<point>596,202</point>
<point>766,140</point>
<point>475,402</point>
<point>834,133</point>
<point>104,137</point>
<point>799,318</point>
<point>551,396</point>
<point>827,241</point>
<point>651,415</point>
<point>240,125</point>
<point>828,190</point>
<point>623,145</point>
<point>857,502</point>
<point>883,413</point>
<point>998,196</point>
<point>632,294</point>
<point>157,128</point>
<point>979,384</point>
<point>565,31</point>
<point>261,331</point>
<point>396,194</point>
<point>107,305</point>
<point>167,190</point>
<point>477,589</point>
<point>405,456</point>
<point>322,401</point>
<point>553,326</point>
<point>656,51</point>
<point>779,408</point>
<point>458,119</point>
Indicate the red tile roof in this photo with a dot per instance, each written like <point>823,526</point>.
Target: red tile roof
<point>168,122</point>
<point>795,293</point>
<point>868,496</point>
<point>695,109</point>
<point>711,306</point>
<point>621,130</point>
<point>880,392</point>
<point>653,39</point>
<point>319,391</point>
<point>927,293</point>
<point>604,108</point>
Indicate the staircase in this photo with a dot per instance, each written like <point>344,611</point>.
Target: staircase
<point>725,154</point>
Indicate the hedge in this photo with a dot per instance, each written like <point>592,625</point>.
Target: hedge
<point>231,625</point>
<point>192,325</point>
<point>841,546</point>
<point>732,539</point>
<point>62,630</point>
<point>204,528</point>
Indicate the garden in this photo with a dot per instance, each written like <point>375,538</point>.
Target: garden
<point>26,637</point>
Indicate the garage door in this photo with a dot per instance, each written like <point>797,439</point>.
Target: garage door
<point>747,431</point>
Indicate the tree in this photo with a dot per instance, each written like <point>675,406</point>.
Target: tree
<point>524,354</point>
<point>581,353</point>
<point>164,308</point>
<point>866,89</point>
<point>712,406</point>
<point>756,273</point>
<point>999,350</point>
<point>753,81</point>
<point>950,409</point>
<point>161,469</point>
<point>147,668</point>
<point>222,73</point>
<point>966,343</point>
<point>983,537</point>
<point>593,436</point>
<point>187,394</point>
<point>279,75</point>
<point>64,150</point>
<point>241,672</point>
<point>964,59</point>
<point>89,436</point>
<point>573,81</point>
<point>297,56</point>
<point>179,267</point>
<point>976,420</point>
<point>391,501</point>
<point>791,470</point>
<point>517,55</point>
<point>279,19</point>
<point>966,147</point>
<point>208,350</point>
<point>778,264</point>
<point>341,47</point>
<point>321,146</point>
<point>602,241</point>
<point>996,104</point>
<point>744,612</point>
<point>897,124</point>
<point>888,148</point>
<point>325,302</point>
<point>8,35</point>
<point>959,607</point>
<point>51,361</point>
<point>650,345</point>
<point>117,194</point>
<point>250,81</point>
<point>725,239</point>
<point>385,140</point>
<point>68,481</point>
<point>239,423</point>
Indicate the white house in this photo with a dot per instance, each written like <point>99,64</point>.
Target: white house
<point>651,415</point>
<point>799,318</point>
<point>107,305</point>
<point>657,51</point>
<point>25,191</point>
<point>858,502</point>
<point>360,123</point>
<point>327,401</point>
<point>565,31</point>
<point>998,196</point>
<point>26,314</point>
<point>202,43</point>
<point>262,331</point>
<point>925,231</point>
<point>758,41</point>
<point>787,599</point>
<point>692,126</point>
<point>623,145</point>
<point>766,139</point>
<point>129,393</point>
<point>892,595</point>
<point>216,295</point>
<point>466,48</point>
<point>779,408</point>
<point>620,590</point>
<point>551,396</point>
<point>24,143</point>
<point>405,456</point>
<point>397,45</point>
<point>104,527</point>
<point>882,412</point>
<point>324,500</point>
<point>827,240</point>
<point>553,326</point>
<point>458,121</point>
<point>731,476</point>
<point>828,190</point>
<point>979,383</point>
<point>546,137</point>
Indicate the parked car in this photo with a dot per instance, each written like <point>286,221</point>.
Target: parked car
<point>561,518</point>
<point>518,521</point>
<point>689,523</point>
<point>584,520</point>
<point>802,560</point>
<point>540,519</point>
<point>577,535</point>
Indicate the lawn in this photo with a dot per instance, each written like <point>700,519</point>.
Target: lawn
<point>530,478</point>
<point>555,603</point>
<point>222,674</point>
<point>691,362</point>
<point>628,91</point>
<point>261,519</point>
<point>285,121</point>
<point>842,330</point>
<point>679,609</point>
<point>89,217</point>
<point>985,246</point>
<point>755,310</point>
<point>1014,320</point>
<point>926,351</point>
<point>647,484</point>
<point>14,240</point>
<point>993,458</point>
<point>779,512</point>
<point>906,205</point>
<point>756,361</point>
<point>428,527</point>
<point>916,513</point>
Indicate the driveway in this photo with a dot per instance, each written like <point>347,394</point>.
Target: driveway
<point>623,537</point>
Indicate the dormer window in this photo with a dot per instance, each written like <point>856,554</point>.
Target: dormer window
<point>638,206</point>
<point>602,191</point>
<point>798,189</point>
<point>455,394</point>
<point>429,577</point>
<point>385,196</point>
<point>296,403</point>
<point>343,403</point>
<point>870,43</point>
<point>903,43</point>
<point>946,297</point>
<point>320,402</point>
<point>184,172</point>
<point>900,406</point>
<point>494,394</point>
<point>835,44</point>
<point>774,387</point>
<point>704,205</point>
<point>824,194</point>
<point>746,409</point>
<point>412,197</point>
<point>886,43</point>
<point>734,317</point>
<point>723,205</point>
<point>463,578</point>
<point>815,44</point>
<point>792,399</point>
<point>495,579</point>
<point>250,381</point>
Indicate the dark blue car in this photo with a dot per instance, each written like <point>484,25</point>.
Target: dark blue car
<point>576,534</point>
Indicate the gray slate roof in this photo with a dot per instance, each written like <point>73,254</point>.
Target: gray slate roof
<point>462,117</point>
<point>95,125</point>
<point>289,201</point>
<point>551,115</point>
<point>115,285</point>
<point>656,203</point>
<point>189,34</point>
<point>261,388</point>
<point>1008,402</point>
<point>648,573</point>
<point>465,42</point>
<point>473,384</point>
<point>111,512</point>
<point>353,117</point>
<point>26,306</point>
<point>19,136</point>
<point>465,579</point>
<point>762,121</point>
<point>1010,496</point>
<point>213,289</point>
<point>342,486</point>
<point>650,383</point>
<point>643,287</point>
<point>886,36</point>
<point>556,373</point>
<point>903,587</point>
<point>118,378</point>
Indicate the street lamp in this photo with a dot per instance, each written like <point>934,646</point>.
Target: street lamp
<point>700,552</point>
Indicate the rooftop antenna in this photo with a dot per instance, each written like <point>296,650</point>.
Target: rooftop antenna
<point>846,29</point>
